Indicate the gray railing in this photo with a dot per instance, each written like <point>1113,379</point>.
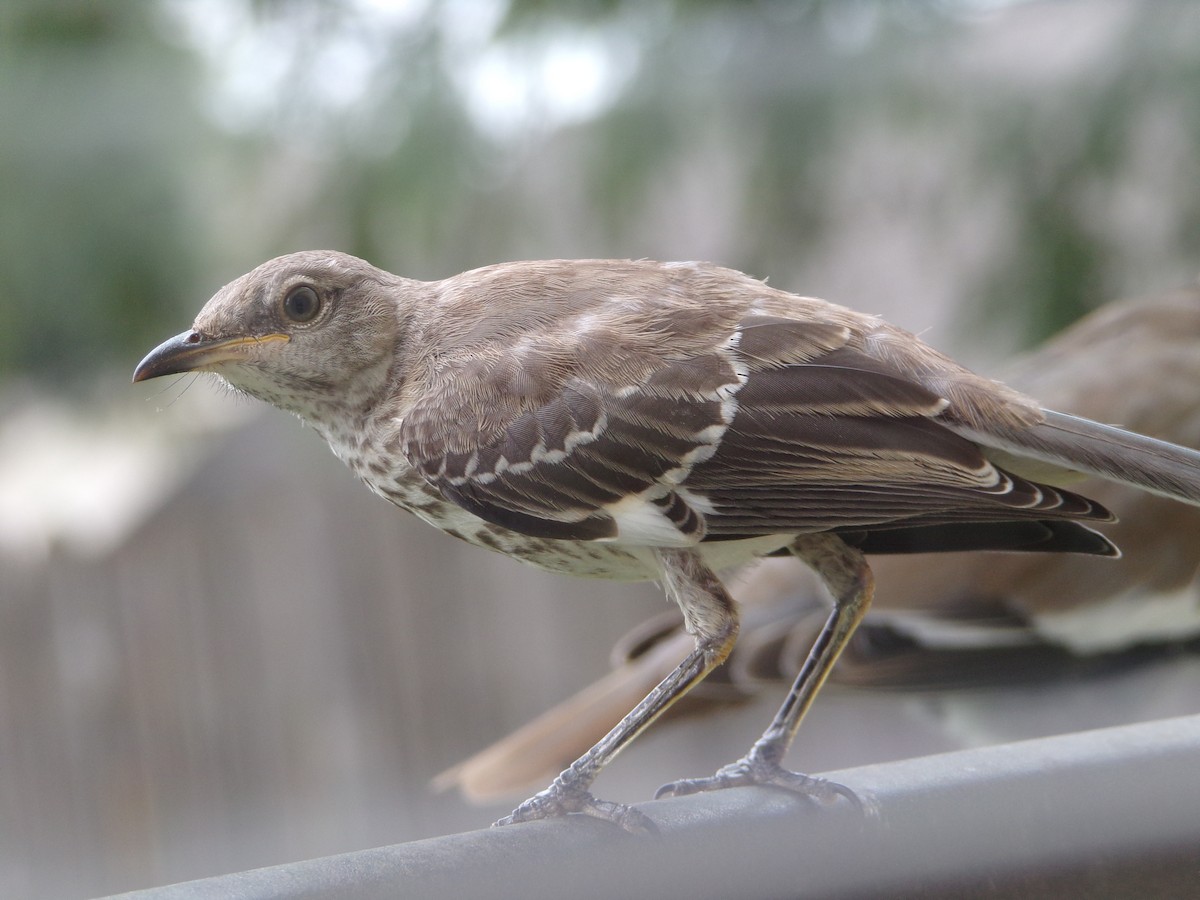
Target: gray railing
<point>1112,812</point>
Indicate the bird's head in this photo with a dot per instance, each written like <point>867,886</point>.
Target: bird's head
<point>301,332</point>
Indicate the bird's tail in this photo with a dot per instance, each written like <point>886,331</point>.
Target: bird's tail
<point>1064,444</point>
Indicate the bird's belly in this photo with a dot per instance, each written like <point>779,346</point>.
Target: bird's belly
<point>588,559</point>
<point>610,560</point>
<point>585,559</point>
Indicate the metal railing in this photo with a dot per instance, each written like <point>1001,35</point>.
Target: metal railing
<point>1114,811</point>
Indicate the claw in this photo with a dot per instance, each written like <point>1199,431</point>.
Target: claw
<point>751,770</point>
<point>561,800</point>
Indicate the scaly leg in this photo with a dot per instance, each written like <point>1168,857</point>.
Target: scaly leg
<point>711,617</point>
<point>848,577</point>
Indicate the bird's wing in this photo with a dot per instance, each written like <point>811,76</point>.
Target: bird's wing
<point>778,426</point>
<point>847,441</point>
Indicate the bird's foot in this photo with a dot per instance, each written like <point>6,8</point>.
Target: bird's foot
<point>754,769</point>
<point>563,798</point>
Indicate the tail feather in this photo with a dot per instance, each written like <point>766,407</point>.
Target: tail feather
<point>1070,444</point>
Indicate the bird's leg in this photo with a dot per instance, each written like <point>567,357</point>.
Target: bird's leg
<point>711,618</point>
<point>848,577</point>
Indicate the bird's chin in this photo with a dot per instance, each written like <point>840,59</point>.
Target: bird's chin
<point>291,393</point>
<point>225,386</point>
<point>246,381</point>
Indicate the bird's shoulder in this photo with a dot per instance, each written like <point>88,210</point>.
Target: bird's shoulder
<point>502,341</point>
<point>498,343</point>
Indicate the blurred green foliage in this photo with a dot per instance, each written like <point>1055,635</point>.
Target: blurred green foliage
<point>153,151</point>
<point>93,229</point>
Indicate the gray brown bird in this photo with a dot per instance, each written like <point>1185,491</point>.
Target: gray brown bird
<point>644,420</point>
<point>967,618</point>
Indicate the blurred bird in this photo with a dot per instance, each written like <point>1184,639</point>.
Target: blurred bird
<point>967,619</point>
<point>637,420</point>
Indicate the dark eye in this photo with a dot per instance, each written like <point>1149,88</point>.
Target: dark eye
<point>301,304</point>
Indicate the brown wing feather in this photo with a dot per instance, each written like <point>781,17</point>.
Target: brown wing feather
<point>842,442</point>
<point>555,470</point>
<point>772,424</point>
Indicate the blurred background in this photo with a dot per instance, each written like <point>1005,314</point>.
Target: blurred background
<point>216,650</point>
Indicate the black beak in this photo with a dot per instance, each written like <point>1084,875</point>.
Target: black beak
<point>190,352</point>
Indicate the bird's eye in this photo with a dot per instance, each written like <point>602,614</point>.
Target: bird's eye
<point>302,304</point>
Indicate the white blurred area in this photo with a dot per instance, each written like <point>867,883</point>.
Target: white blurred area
<point>217,651</point>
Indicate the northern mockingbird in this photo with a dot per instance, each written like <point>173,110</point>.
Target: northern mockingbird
<point>644,420</point>
<point>966,618</point>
